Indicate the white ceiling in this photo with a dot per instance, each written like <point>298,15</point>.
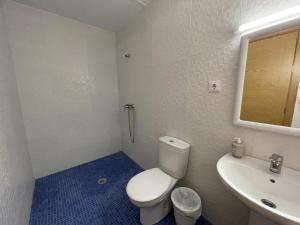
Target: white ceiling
<point>107,14</point>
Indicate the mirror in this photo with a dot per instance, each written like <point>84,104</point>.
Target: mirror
<point>271,85</point>
<point>268,94</point>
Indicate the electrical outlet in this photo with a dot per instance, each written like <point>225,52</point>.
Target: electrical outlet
<point>214,86</point>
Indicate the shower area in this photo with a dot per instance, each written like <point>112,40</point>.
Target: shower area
<point>66,74</point>
<point>59,98</point>
<point>68,88</point>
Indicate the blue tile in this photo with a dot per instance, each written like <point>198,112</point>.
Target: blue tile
<point>74,197</point>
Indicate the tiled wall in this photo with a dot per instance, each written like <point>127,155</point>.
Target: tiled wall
<point>177,46</point>
<point>16,180</point>
<point>67,79</point>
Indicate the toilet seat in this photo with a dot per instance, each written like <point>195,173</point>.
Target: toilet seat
<point>149,187</point>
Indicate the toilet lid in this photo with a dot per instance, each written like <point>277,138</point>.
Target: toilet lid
<point>149,185</point>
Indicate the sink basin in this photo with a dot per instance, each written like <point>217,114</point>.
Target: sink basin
<point>252,182</point>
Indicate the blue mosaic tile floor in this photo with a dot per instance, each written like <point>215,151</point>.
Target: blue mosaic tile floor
<point>74,197</point>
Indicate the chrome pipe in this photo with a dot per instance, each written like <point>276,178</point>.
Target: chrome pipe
<point>130,108</point>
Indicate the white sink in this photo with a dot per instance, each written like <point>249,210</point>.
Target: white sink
<point>251,181</point>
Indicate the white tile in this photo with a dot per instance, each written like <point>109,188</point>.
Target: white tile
<point>16,176</point>
<point>67,79</point>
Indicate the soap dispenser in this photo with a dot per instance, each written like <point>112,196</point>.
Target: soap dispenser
<point>238,147</point>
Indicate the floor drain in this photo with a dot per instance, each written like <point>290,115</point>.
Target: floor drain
<point>102,181</point>
<point>269,203</point>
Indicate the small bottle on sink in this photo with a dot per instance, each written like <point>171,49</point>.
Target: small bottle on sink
<point>238,147</point>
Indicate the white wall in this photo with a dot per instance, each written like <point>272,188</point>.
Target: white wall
<point>67,79</point>
<point>177,46</point>
<point>16,180</point>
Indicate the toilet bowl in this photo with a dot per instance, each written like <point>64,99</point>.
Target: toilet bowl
<point>150,190</point>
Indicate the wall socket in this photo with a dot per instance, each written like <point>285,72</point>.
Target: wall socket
<point>214,86</point>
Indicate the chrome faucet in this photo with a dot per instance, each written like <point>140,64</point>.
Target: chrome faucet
<point>276,163</point>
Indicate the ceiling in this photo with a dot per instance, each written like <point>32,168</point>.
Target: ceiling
<point>108,14</point>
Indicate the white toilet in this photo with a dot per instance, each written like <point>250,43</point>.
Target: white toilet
<point>150,190</point>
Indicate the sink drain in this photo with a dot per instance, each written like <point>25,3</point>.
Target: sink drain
<point>102,181</point>
<point>269,203</point>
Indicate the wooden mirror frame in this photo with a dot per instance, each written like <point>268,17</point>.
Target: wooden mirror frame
<point>245,39</point>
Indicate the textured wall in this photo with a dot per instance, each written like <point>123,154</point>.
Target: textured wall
<point>296,116</point>
<point>67,79</point>
<point>177,46</point>
<point>16,180</point>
